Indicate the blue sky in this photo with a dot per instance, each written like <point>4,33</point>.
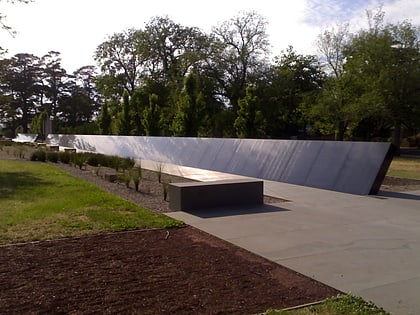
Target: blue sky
<point>76,27</point>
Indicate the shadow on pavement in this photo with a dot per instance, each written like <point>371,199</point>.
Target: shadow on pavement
<point>234,211</point>
<point>399,195</point>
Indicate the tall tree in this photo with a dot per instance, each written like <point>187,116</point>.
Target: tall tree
<point>190,109</point>
<point>124,119</point>
<point>294,81</point>
<point>250,122</point>
<point>105,120</point>
<point>54,79</point>
<point>151,117</point>
<point>240,52</point>
<point>119,59</point>
<point>22,86</point>
<point>386,58</point>
<point>336,109</point>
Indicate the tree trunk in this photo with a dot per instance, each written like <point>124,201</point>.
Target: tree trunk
<point>339,136</point>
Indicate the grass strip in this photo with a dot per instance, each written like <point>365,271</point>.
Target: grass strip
<point>39,201</point>
<point>405,167</point>
<point>339,305</point>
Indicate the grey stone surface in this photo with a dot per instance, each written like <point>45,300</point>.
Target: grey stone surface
<point>365,245</point>
<point>203,195</point>
<point>351,167</point>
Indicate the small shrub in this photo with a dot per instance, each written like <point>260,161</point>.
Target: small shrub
<point>126,177</point>
<point>64,157</point>
<point>79,160</point>
<point>92,160</point>
<point>52,156</point>
<point>38,155</point>
<point>98,170</point>
<point>20,152</point>
<point>127,163</point>
<point>115,162</point>
<point>136,176</point>
<point>165,187</point>
<point>159,171</point>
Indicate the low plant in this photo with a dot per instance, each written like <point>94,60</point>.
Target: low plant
<point>126,177</point>
<point>136,176</point>
<point>115,163</point>
<point>127,163</point>
<point>159,171</point>
<point>64,157</point>
<point>20,152</point>
<point>79,160</point>
<point>98,170</point>
<point>52,156</point>
<point>165,187</point>
<point>38,155</point>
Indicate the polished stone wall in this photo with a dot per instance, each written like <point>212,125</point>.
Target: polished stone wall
<point>351,167</point>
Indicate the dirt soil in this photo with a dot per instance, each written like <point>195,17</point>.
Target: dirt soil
<point>176,271</point>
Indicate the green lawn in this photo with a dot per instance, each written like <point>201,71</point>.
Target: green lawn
<point>39,201</point>
<point>341,305</point>
<point>405,167</point>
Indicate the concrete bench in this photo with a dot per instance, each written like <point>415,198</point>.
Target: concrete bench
<point>202,195</point>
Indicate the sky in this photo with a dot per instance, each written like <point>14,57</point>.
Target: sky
<point>76,27</point>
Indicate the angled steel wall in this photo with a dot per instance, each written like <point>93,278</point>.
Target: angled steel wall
<point>351,167</point>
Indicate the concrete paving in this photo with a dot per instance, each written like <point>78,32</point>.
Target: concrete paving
<point>365,245</point>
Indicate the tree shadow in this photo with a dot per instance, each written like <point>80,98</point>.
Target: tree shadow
<point>11,182</point>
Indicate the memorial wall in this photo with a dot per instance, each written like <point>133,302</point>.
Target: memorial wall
<point>350,167</point>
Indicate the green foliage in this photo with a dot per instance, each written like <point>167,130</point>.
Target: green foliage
<point>190,109</point>
<point>38,155</point>
<point>37,124</point>
<point>52,156</point>
<point>105,120</point>
<point>124,120</point>
<point>79,160</point>
<point>64,157</point>
<point>159,171</point>
<point>339,305</point>
<point>151,116</point>
<point>165,188</point>
<point>136,176</point>
<point>250,122</point>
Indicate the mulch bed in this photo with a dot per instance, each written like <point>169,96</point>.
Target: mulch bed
<point>175,271</point>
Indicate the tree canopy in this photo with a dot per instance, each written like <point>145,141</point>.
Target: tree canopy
<point>174,80</point>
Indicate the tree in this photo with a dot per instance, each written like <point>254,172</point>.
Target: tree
<point>386,58</point>
<point>105,120</point>
<point>54,85</point>
<point>21,86</point>
<point>190,109</point>
<point>124,119</point>
<point>249,122</point>
<point>239,54</point>
<point>337,107</point>
<point>119,59</point>
<point>288,93</point>
<point>151,117</point>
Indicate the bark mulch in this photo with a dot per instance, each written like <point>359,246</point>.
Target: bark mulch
<point>175,271</point>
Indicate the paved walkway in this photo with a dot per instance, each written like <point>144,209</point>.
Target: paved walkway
<point>364,245</point>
